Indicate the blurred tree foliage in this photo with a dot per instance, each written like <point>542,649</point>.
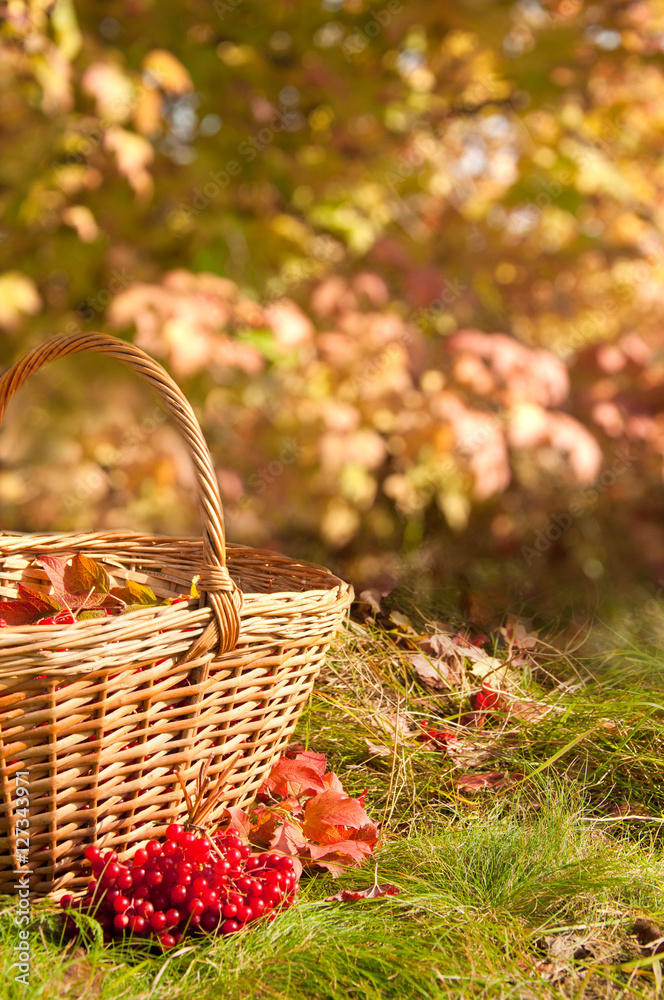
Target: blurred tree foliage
<point>317,215</point>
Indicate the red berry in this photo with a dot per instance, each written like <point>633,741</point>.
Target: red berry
<point>172,917</point>
<point>160,899</point>
<point>170,848</point>
<point>243,913</point>
<point>257,908</point>
<point>230,926</point>
<point>140,857</point>
<point>120,921</point>
<point>92,852</point>
<point>64,618</point>
<point>178,894</point>
<point>210,920</point>
<point>174,832</point>
<point>66,901</point>
<point>125,880</point>
<point>166,940</point>
<point>195,906</point>
<point>153,847</point>
<point>158,920</point>
<point>199,885</point>
<point>137,924</point>
<point>229,910</point>
<point>121,903</point>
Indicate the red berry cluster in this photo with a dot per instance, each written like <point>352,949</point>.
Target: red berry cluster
<point>187,883</point>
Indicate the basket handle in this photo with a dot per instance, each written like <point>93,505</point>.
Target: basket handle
<point>220,592</point>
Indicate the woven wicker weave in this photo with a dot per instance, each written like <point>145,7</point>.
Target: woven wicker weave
<point>102,713</point>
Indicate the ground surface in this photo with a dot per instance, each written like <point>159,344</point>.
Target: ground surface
<point>525,841</point>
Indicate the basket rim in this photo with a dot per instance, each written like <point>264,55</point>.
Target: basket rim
<point>71,542</point>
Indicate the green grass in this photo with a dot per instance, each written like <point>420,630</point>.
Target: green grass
<point>529,891</point>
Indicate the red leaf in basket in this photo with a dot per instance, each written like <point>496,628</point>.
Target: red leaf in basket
<point>375,892</point>
<point>332,809</point>
<point>303,775</point>
<point>54,568</point>
<point>44,603</point>
<point>19,612</point>
<point>75,586</point>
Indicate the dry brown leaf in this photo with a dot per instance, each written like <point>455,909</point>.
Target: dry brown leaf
<point>391,722</point>
<point>437,675</point>
<point>379,749</point>
<point>494,780</point>
<point>649,935</point>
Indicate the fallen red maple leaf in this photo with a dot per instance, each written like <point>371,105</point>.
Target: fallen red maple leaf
<point>375,892</point>
<point>304,812</point>
<point>486,699</point>
<point>332,808</point>
<point>301,775</point>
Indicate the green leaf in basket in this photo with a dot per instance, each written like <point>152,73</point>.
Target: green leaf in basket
<point>91,613</point>
<point>84,574</point>
<point>136,607</point>
<point>135,593</point>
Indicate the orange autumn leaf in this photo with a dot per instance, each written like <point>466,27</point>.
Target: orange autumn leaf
<point>303,775</point>
<point>332,809</point>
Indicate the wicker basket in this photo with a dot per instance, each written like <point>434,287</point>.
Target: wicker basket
<point>97,717</point>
